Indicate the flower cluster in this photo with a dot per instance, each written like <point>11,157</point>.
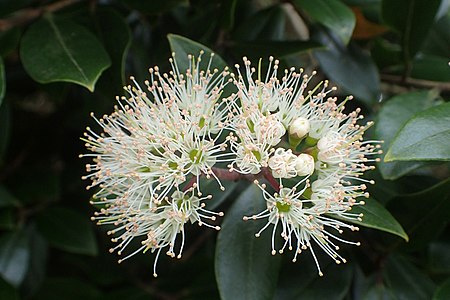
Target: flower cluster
<point>155,146</point>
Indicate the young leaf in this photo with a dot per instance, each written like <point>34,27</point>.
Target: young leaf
<point>14,257</point>
<point>412,19</point>
<point>393,116</point>
<point>377,217</point>
<point>333,14</point>
<point>55,50</point>
<point>443,291</point>
<point>67,230</point>
<point>426,136</point>
<point>245,268</point>
<point>182,47</point>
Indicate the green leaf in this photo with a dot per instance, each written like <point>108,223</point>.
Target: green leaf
<point>14,257</point>
<point>67,230</point>
<point>7,291</point>
<point>439,257</point>
<point>423,225</point>
<point>430,67</point>
<point>393,116</point>
<point>300,281</point>
<point>412,19</point>
<point>245,268</point>
<point>426,136</point>
<point>67,289</point>
<point>351,68</point>
<point>406,281</point>
<point>2,81</point>
<point>443,291</point>
<point>55,50</point>
<point>377,217</point>
<point>5,122</point>
<point>266,25</point>
<point>438,39</point>
<point>333,14</point>
<point>277,49</point>
<point>182,47</point>
<point>210,187</point>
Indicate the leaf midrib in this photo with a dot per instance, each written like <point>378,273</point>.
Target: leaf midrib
<point>60,40</point>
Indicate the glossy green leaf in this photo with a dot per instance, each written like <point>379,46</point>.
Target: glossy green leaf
<point>443,291</point>
<point>300,280</point>
<point>434,68</point>
<point>6,198</point>
<point>55,50</point>
<point>2,81</point>
<point>14,257</point>
<point>182,47</point>
<point>351,68</point>
<point>7,291</point>
<point>412,19</point>
<point>245,268</point>
<point>265,25</point>
<point>210,187</point>
<point>333,14</point>
<point>426,136</point>
<point>393,116</point>
<point>68,289</point>
<point>438,39</point>
<point>277,49</point>
<point>406,281</point>
<point>377,217</point>
<point>67,230</point>
<point>116,37</point>
<point>423,225</point>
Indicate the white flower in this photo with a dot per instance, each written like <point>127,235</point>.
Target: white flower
<point>283,163</point>
<point>304,164</point>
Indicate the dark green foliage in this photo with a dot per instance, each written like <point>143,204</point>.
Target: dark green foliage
<point>60,60</point>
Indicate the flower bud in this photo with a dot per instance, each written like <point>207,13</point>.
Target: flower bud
<point>282,163</point>
<point>304,164</point>
<point>299,128</point>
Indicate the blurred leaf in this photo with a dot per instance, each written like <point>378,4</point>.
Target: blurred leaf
<point>430,67</point>
<point>245,268</point>
<point>38,262</point>
<point>7,199</point>
<point>7,218</point>
<point>266,25</point>
<point>406,281</point>
<point>67,289</point>
<point>438,40</point>
<point>7,291</point>
<point>182,47</point>
<point>55,50</point>
<point>67,230</point>
<point>9,41</point>
<point>278,49</point>
<point>4,130</point>
<point>333,14</point>
<point>2,81</point>
<point>154,7</point>
<point>423,225</point>
<point>352,69</point>
<point>443,291</point>
<point>377,217</point>
<point>412,19</point>
<point>426,136</point>
<point>393,116</point>
<point>116,37</point>
<point>439,256</point>
<point>9,6</point>
<point>304,283</point>
<point>14,256</point>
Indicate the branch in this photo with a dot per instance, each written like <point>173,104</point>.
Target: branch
<point>421,83</point>
<point>27,15</point>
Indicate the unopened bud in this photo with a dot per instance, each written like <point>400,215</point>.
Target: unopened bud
<point>304,164</point>
<point>299,128</point>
